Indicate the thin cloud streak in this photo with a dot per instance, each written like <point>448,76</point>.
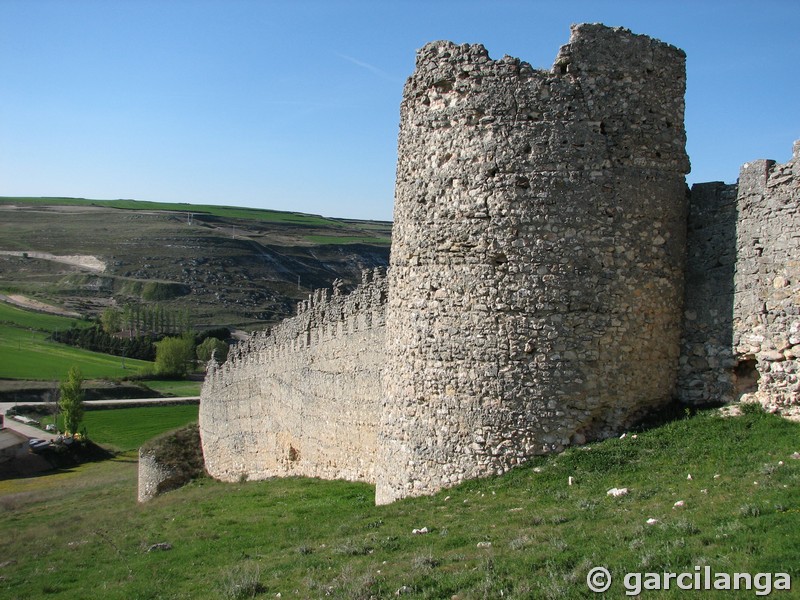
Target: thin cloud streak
<point>372,68</point>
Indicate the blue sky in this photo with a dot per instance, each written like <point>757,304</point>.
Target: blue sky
<point>294,105</point>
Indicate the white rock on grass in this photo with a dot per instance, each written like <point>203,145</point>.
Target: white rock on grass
<point>616,492</point>
<point>652,521</point>
<point>679,504</point>
<point>422,531</point>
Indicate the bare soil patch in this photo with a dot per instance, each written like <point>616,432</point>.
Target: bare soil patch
<point>30,303</point>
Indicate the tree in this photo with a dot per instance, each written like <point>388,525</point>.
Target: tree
<point>185,321</point>
<point>174,355</point>
<point>208,346</point>
<point>71,400</point>
<point>111,319</point>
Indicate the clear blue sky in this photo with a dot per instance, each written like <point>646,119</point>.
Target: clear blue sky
<point>294,105</point>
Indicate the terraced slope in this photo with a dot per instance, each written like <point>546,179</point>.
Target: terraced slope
<point>229,266</point>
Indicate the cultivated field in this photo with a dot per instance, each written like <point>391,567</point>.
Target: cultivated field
<point>125,429</point>
<point>26,353</point>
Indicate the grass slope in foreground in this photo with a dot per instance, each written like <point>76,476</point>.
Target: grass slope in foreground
<point>524,535</point>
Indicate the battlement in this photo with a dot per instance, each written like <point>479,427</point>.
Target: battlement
<point>303,397</point>
<point>326,313</point>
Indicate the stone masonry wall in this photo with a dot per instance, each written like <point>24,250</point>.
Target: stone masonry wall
<point>766,305</point>
<point>303,398</point>
<point>536,295</point>
<point>169,461</point>
<point>706,373</point>
<point>537,255</point>
<point>742,319</point>
<point>152,477</point>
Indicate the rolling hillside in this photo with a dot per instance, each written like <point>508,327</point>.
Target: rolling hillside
<point>230,266</point>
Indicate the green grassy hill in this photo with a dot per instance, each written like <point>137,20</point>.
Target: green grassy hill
<point>528,534</point>
<point>26,353</point>
<point>229,266</point>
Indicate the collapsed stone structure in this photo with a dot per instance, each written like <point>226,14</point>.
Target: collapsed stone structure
<point>535,296</point>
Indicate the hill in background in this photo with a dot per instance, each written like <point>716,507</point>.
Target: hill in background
<point>229,266</point>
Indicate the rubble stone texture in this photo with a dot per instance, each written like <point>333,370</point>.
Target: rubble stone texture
<point>535,296</point>
<point>742,319</point>
<point>537,255</point>
<point>303,398</point>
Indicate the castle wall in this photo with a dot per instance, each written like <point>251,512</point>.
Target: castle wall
<point>302,399</point>
<point>742,319</point>
<point>151,477</point>
<point>537,255</point>
<point>766,304</point>
<point>548,285</point>
<point>707,362</point>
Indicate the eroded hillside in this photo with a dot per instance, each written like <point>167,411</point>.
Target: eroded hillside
<point>230,266</point>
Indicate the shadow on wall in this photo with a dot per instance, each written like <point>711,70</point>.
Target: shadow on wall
<point>709,372</point>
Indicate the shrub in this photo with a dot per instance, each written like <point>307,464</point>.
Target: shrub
<point>211,346</point>
<point>174,356</point>
<point>156,290</point>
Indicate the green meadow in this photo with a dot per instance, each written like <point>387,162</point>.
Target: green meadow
<point>124,429</point>
<point>526,534</point>
<point>26,353</point>
<point>270,216</point>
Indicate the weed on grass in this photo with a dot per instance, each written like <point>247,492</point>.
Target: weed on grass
<point>242,582</point>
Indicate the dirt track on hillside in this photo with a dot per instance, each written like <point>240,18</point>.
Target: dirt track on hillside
<point>25,302</point>
<point>83,261</point>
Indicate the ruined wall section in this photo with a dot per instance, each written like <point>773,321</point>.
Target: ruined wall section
<point>707,361</point>
<point>742,319</point>
<point>766,305</point>
<point>537,255</point>
<point>302,398</point>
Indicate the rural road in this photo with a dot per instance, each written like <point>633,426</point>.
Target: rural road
<point>35,432</point>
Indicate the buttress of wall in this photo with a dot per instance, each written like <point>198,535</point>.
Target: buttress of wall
<point>302,399</point>
<point>766,306</point>
<point>537,255</point>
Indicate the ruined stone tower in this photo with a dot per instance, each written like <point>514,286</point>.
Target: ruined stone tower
<point>537,255</point>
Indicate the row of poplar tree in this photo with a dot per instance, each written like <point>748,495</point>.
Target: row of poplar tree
<point>146,319</point>
<point>130,332</point>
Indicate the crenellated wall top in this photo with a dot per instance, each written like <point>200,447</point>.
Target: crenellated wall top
<point>325,313</point>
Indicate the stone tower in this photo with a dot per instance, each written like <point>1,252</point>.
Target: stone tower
<point>535,287</point>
